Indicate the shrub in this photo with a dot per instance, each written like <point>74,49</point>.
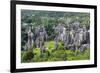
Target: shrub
<point>59,54</point>
<point>80,55</point>
<point>40,59</point>
<point>36,52</point>
<point>60,45</point>
<point>49,46</point>
<point>26,56</point>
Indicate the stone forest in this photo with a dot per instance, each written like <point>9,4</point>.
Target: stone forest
<point>54,36</point>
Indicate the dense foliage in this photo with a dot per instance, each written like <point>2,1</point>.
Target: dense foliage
<point>49,19</point>
<point>50,54</point>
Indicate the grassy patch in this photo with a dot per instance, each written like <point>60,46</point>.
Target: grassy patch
<point>52,54</point>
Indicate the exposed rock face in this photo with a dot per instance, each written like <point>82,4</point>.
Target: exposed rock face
<point>41,35</point>
<point>30,38</point>
<point>73,37</point>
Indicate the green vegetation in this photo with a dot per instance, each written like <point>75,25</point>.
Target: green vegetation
<point>26,56</point>
<point>50,54</point>
<point>50,19</point>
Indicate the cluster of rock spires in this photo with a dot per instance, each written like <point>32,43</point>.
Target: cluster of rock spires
<point>73,37</point>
